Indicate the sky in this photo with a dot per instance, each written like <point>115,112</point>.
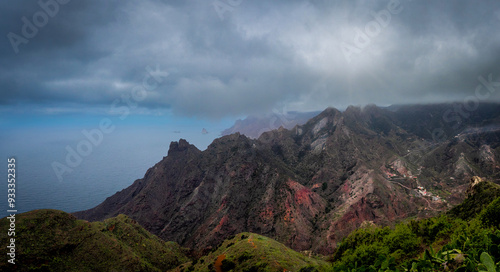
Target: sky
<point>93,92</point>
<point>218,59</point>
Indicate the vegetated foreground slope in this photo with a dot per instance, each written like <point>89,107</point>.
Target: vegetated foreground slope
<point>443,243</point>
<point>310,186</point>
<point>51,240</point>
<point>252,252</point>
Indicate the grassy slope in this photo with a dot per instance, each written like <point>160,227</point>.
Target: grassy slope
<point>50,240</point>
<point>448,242</point>
<point>253,252</point>
<point>484,194</point>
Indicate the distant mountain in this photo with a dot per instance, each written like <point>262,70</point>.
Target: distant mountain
<point>310,186</point>
<point>254,126</point>
<point>50,240</point>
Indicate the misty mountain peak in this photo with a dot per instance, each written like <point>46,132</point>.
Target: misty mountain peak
<point>180,146</point>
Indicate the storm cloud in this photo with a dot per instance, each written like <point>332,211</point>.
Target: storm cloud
<point>237,57</point>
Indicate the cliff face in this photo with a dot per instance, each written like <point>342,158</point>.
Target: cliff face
<point>308,187</point>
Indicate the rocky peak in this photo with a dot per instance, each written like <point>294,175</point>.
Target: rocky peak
<point>352,110</point>
<point>235,139</point>
<point>371,108</point>
<point>353,115</point>
<point>178,147</point>
<point>329,113</point>
<point>474,181</point>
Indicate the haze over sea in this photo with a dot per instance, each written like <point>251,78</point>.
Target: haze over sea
<point>123,156</point>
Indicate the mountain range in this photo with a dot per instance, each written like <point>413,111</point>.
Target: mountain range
<point>308,187</point>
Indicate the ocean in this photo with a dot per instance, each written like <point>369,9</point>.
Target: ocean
<point>122,156</point>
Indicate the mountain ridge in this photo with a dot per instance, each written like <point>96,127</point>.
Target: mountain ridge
<point>310,186</point>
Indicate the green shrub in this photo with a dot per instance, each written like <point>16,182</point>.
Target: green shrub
<point>490,216</point>
<point>227,265</point>
<point>402,238</point>
<point>243,257</point>
<point>308,269</point>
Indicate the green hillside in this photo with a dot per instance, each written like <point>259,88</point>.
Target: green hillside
<point>465,239</point>
<point>51,240</point>
<point>252,252</point>
<point>482,195</point>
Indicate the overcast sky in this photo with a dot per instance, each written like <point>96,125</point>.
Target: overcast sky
<point>237,57</point>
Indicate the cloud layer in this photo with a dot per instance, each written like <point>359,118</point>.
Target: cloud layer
<point>236,57</point>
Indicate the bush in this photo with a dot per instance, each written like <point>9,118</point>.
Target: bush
<point>360,237</point>
<point>490,216</point>
<point>243,257</point>
<point>308,269</point>
<point>227,265</point>
<point>365,254</point>
<point>402,238</point>
<point>256,268</point>
<point>433,228</point>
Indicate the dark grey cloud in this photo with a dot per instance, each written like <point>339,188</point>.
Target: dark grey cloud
<point>261,55</point>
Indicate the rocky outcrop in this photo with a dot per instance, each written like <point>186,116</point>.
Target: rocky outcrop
<point>474,181</point>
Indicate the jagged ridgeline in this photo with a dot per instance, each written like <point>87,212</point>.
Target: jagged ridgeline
<point>310,186</point>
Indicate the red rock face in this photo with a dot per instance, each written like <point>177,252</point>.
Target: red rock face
<point>307,187</point>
